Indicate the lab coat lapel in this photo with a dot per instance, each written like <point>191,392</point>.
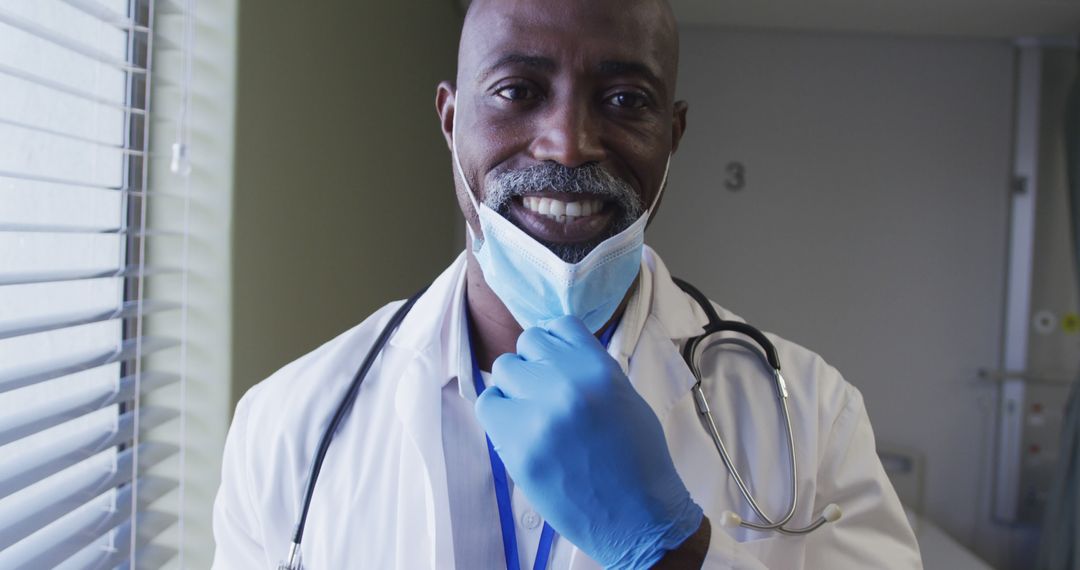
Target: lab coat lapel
<point>656,367</point>
<point>419,347</point>
<point>423,488</point>
<point>658,372</point>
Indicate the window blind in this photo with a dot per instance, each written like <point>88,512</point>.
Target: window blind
<point>91,406</point>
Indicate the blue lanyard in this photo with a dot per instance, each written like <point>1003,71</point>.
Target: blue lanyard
<point>502,489</point>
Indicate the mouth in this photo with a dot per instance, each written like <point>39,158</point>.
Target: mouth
<point>562,218</point>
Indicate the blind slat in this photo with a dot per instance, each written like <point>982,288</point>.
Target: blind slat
<point>29,512</point>
<point>63,229</point>
<point>55,411</point>
<point>31,466</point>
<point>32,374</point>
<point>133,193</point>
<point>71,44</point>
<point>151,525</point>
<point>53,322</point>
<point>30,177</point>
<point>47,83</point>
<point>60,541</point>
<point>106,14</point>
<point>80,274</point>
<point>152,557</point>
<point>70,136</point>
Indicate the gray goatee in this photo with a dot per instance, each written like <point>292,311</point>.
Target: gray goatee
<point>589,180</point>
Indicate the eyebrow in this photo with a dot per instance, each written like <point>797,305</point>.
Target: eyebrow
<point>631,68</point>
<point>547,64</point>
<point>537,62</point>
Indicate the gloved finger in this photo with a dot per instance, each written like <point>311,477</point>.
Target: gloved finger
<point>536,343</point>
<point>494,410</point>
<point>572,331</point>
<point>514,376</point>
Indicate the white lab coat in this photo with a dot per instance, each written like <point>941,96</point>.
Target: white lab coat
<point>381,500</point>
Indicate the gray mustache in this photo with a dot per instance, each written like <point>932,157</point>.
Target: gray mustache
<point>589,180</point>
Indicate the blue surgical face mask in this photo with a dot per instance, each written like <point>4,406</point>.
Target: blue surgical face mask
<point>538,286</point>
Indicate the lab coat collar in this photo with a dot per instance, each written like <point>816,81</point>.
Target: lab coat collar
<point>676,312</point>
<point>658,318</point>
<point>425,342</point>
<point>433,327</point>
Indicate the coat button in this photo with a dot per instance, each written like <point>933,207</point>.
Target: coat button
<point>530,520</point>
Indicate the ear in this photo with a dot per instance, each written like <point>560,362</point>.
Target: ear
<point>445,104</point>
<point>678,124</point>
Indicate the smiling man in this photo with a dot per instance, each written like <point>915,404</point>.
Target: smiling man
<point>533,407</point>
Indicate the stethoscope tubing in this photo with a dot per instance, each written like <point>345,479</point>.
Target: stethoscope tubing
<point>704,410</point>
<point>293,561</point>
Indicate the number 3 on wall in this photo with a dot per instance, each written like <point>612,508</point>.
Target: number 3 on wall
<point>736,176</point>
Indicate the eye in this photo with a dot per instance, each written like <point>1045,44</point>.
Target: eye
<point>517,92</point>
<point>628,100</point>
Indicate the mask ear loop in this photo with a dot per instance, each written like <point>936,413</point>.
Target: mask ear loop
<point>663,185</point>
<point>457,163</point>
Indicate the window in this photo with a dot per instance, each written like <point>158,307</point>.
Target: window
<point>85,463</point>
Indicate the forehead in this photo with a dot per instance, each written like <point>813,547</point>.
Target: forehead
<point>574,33</point>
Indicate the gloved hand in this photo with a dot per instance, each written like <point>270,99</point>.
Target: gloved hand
<point>585,448</point>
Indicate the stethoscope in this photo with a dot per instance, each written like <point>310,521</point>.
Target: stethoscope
<point>691,353</point>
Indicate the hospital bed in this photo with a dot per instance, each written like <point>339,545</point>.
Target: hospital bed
<point>939,550</point>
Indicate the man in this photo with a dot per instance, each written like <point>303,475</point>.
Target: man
<point>558,336</point>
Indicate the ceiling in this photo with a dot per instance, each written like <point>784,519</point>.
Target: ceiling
<point>967,18</point>
<point>961,18</point>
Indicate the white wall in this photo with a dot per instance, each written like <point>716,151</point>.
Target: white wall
<point>872,228</point>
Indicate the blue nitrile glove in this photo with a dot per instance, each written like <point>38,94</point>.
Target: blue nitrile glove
<point>585,448</point>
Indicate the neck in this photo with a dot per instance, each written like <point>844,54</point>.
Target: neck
<point>492,329</point>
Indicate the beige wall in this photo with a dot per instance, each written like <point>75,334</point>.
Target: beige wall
<point>343,182</point>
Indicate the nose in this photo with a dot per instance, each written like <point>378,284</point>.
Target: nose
<point>568,134</point>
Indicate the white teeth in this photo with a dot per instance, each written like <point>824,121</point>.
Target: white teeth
<point>562,211</point>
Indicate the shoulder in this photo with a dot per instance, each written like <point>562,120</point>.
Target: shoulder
<point>812,382</point>
<point>278,422</point>
<point>275,429</point>
<point>292,407</point>
<point>308,386</point>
